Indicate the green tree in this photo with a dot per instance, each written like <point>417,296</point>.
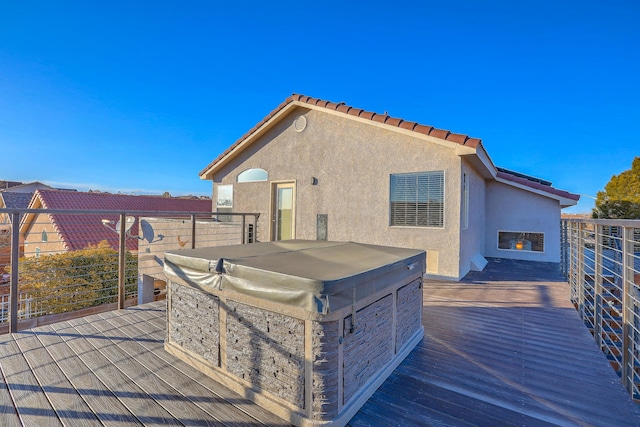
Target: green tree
<point>621,196</point>
<point>70,281</point>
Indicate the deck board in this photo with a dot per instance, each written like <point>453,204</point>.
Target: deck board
<point>143,323</point>
<point>134,367</point>
<point>140,404</point>
<point>29,399</point>
<point>107,407</point>
<point>501,347</point>
<point>183,387</point>
<point>63,397</point>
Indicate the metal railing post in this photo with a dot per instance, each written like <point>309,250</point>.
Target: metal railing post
<point>122,258</point>
<point>571,269</point>
<point>563,247</point>
<point>627,307</point>
<point>193,231</point>
<point>597,285</point>
<point>15,256</point>
<point>580,279</point>
<point>256,217</point>
<point>244,220</point>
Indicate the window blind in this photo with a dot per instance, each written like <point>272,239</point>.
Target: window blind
<point>417,199</point>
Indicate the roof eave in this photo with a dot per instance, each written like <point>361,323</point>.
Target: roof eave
<point>565,201</point>
<point>478,158</point>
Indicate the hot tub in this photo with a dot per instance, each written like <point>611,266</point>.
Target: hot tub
<point>306,329</point>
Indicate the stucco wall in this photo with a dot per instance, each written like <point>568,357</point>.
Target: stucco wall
<point>511,209</point>
<point>352,162</point>
<point>33,237</point>
<point>472,239</point>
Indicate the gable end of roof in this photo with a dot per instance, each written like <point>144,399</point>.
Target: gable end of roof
<point>341,107</point>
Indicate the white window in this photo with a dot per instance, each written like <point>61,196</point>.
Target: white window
<point>224,201</point>
<point>45,238</point>
<point>225,196</point>
<point>253,175</point>
<point>417,199</point>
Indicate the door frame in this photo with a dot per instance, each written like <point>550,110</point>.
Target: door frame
<point>274,192</point>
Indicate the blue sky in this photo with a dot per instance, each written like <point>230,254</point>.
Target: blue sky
<point>140,96</point>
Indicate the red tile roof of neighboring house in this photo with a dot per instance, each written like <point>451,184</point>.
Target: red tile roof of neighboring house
<point>78,231</point>
<point>397,122</point>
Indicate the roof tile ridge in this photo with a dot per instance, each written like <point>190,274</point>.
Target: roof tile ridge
<point>64,237</point>
<point>444,134</point>
<point>40,195</point>
<point>409,125</point>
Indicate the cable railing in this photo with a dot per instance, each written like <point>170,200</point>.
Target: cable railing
<point>601,261</point>
<point>60,264</point>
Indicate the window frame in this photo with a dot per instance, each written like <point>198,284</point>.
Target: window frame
<point>247,175</point>
<point>427,209</point>
<point>224,208</point>
<point>465,200</point>
<point>523,233</point>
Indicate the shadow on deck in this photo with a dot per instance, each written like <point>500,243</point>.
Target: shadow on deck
<point>501,347</point>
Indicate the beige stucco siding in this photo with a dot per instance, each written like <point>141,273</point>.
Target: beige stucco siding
<point>352,162</point>
<point>33,237</point>
<point>472,238</point>
<point>511,209</point>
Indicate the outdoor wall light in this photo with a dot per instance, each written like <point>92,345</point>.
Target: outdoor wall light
<point>519,245</point>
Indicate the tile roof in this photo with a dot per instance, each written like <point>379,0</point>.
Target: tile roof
<point>79,231</point>
<point>357,112</point>
<point>443,134</point>
<point>16,200</point>
<point>535,184</point>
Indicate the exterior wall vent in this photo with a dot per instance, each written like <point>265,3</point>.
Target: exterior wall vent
<point>300,123</point>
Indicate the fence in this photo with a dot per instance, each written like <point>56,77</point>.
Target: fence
<point>26,308</point>
<point>68,263</point>
<point>601,261</point>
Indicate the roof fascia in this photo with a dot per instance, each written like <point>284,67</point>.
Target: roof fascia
<point>564,201</point>
<point>479,158</point>
<point>27,221</point>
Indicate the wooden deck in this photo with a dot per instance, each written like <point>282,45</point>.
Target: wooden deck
<point>502,347</point>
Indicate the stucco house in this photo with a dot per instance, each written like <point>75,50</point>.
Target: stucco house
<point>16,195</point>
<point>48,233</point>
<point>316,169</point>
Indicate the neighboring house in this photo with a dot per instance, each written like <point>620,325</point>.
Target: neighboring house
<point>9,201</point>
<point>16,195</point>
<point>28,187</point>
<point>4,185</point>
<point>51,233</point>
<point>316,169</point>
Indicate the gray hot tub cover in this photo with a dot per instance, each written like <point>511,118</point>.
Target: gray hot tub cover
<point>319,276</point>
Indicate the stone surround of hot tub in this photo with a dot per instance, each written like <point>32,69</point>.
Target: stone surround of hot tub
<point>310,368</point>
<point>270,356</point>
